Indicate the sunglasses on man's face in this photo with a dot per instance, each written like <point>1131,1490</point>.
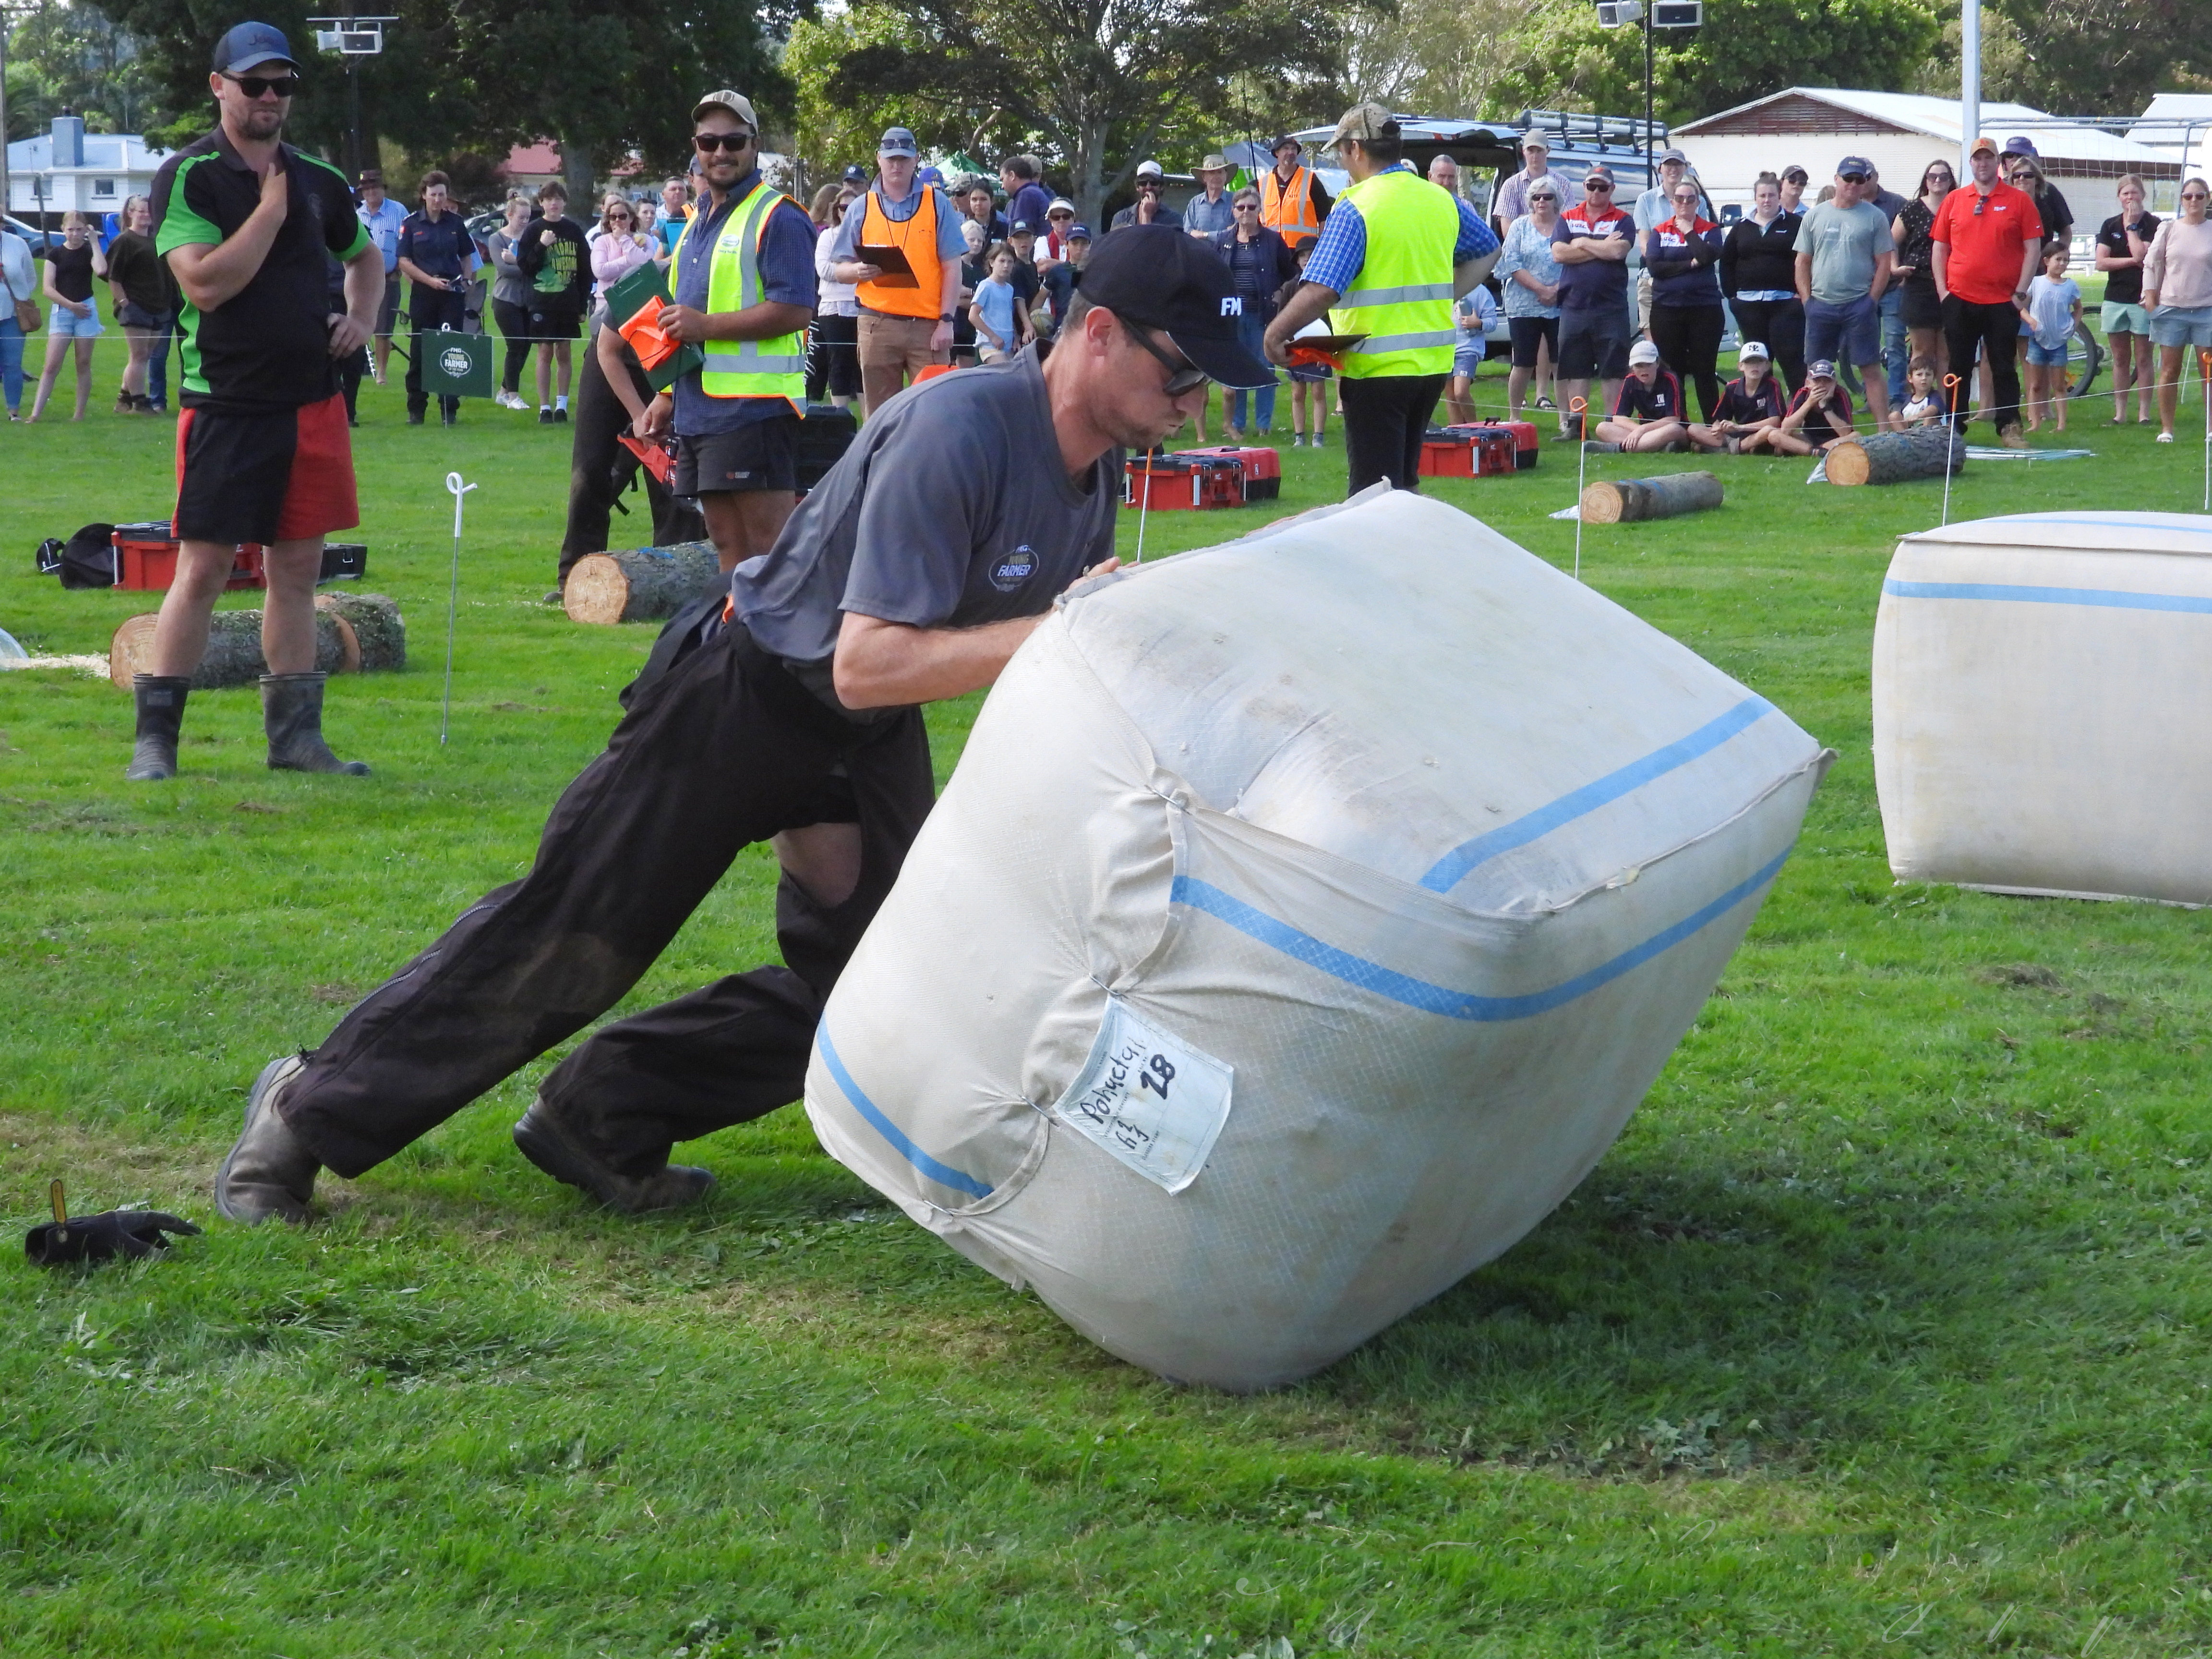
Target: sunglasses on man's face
<point>1184,378</point>
<point>736,143</point>
<point>1851,178</point>
<point>259,86</point>
<point>1598,184</point>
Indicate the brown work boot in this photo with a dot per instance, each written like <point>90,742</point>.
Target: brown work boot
<point>2012,438</point>
<point>560,1152</point>
<point>270,1172</point>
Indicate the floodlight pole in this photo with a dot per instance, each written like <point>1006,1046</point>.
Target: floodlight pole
<point>1650,176</point>
<point>1969,81</point>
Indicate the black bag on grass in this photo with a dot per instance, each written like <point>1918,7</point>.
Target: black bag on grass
<point>87,559</point>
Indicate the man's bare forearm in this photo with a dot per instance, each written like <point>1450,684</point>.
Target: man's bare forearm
<point>885,665</point>
<point>213,275</point>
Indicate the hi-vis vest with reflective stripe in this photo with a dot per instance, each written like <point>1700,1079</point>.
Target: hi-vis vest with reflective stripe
<point>746,368</point>
<point>1288,210</point>
<point>1402,298</point>
<point>922,295</point>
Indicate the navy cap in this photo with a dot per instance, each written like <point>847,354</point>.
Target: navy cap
<point>1021,228</point>
<point>1077,232</point>
<point>1851,164</point>
<point>856,175</point>
<point>2019,145</point>
<point>1161,277</point>
<point>249,45</point>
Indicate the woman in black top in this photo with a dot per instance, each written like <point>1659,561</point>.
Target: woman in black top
<point>1758,276</point>
<point>2123,243</point>
<point>145,300</point>
<point>1262,263</point>
<point>1915,264</point>
<point>70,270</point>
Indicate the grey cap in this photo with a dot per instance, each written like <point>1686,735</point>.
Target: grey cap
<point>1363,124</point>
<point>735,102</point>
<point>897,141</point>
<point>1535,140</point>
<point>1149,170</point>
<point>1673,155</point>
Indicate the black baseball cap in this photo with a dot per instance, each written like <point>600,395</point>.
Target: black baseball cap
<point>249,45</point>
<point>1161,277</point>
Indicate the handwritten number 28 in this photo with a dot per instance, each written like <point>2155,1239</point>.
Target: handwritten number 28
<point>1158,1073</point>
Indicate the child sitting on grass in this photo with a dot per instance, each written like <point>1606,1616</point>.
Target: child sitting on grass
<point>1819,417</point>
<point>1648,414</point>
<point>2053,311</point>
<point>1750,409</point>
<point>1925,406</point>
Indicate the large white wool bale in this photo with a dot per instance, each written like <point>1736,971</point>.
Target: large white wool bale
<point>1304,919</point>
<point>2042,693</point>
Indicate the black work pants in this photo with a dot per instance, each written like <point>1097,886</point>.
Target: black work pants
<point>833,358</point>
<point>724,751</point>
<point>1689,342</point>
<point>430,310</point>
<point>1968,327</point>
<point>513,322</point>
<point>1385,418</point>
<point>1779,325</point>
<point>599,469</point>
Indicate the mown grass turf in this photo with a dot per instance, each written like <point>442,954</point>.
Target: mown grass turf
<point>1882,1328</point>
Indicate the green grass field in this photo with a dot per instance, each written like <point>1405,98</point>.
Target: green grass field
<point>1883,1329</point>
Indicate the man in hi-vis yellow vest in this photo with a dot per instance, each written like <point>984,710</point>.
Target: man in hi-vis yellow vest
<point>1396,253</point>
<point>741,285</point>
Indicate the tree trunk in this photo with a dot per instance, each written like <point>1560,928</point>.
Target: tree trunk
<point>376,624</point>
<point>578,173</point>
<point>233,649</point>
<point>1882,457</point>
<point>1667,496</point>
<point>646,584</point>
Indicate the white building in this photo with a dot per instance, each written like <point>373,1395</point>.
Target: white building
<point>68,168</point>
<point>2179,126</point>
<point>1900,133</point>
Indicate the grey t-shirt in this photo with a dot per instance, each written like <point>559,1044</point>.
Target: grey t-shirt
<point>1844,243</point>
<point>952,509</point>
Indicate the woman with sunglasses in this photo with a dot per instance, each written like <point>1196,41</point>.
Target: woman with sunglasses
<point>2123,244</point>
<point>1914,228</point>
<point>2177,292</point>
<point>1530,278</point>
<point>619,249</point>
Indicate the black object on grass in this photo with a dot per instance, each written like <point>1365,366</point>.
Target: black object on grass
<point>111,1233</point>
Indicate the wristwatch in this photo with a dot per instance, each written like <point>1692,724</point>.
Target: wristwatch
<point>944,316</point>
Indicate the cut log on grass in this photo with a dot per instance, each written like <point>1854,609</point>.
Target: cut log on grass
<point>233,649</point>
<point>1882,457</point>
<point>377,625</point>
<point>645,584</point>
<point>1631,500</point>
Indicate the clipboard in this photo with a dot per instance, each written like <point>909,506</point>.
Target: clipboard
<point>634,304</point>
<point>1321,350</point>
<point>891,260</point>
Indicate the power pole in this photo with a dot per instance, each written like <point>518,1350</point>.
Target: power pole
<point>1650,172</point>
<point>1969,81</point>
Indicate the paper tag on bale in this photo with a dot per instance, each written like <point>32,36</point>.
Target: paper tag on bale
<point>1154,1103</point>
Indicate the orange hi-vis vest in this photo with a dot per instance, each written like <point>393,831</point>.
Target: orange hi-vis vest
<point>1288,210</point>
<point>922,295</point>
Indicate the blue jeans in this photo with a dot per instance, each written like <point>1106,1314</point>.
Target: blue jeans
<point>157,367</point>
<point>1896,349</point>
<point>11,360</point>
<point>1251,330</point>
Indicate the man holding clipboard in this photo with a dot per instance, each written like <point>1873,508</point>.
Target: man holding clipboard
<point>902,247</point>
<point>741,288</point>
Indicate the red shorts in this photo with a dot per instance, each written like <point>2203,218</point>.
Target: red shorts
<point>282,478</point>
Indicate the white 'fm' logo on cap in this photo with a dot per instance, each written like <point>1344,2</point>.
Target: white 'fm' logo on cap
<point>1232,306</point>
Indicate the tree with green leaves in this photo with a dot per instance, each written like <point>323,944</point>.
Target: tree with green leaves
<point>69,56</point>
<point>1091,85</point>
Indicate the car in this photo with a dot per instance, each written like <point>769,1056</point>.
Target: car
<point>37,238</point>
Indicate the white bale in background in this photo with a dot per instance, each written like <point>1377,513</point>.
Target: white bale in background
<point>2042,703</point>
<point>1303,922</point>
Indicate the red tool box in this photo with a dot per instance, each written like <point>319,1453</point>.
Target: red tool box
<point>1467,452</point>
<point>1525,448</point>
<point>1263,469</point>
<point>1165,482</point>
<point>146,558</point>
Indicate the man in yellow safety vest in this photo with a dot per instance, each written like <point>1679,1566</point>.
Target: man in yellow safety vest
<point>1293,203</point>
<point>741,289</point>
<point>1396,253</point>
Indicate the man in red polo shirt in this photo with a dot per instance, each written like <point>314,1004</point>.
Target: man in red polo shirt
<point>1989,240</point>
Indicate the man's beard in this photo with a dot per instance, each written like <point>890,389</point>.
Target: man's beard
<point>258,123</point>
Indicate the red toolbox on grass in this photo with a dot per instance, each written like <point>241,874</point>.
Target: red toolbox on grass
<point>1467,452</point>
<point>1165,482</point>
<point>1525,447</point>
<point>146,558</point>
<point>1263,469</point>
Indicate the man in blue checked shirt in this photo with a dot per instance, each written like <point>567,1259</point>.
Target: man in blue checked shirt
<point>382,217</point>
<point>1396,253</point>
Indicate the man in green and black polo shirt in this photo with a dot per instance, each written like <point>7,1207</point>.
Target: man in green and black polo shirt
<point>247,225</point>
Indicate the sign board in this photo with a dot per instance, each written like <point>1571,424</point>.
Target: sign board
<point>455,365</point>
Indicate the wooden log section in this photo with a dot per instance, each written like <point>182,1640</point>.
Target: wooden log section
<point>378,627</point>
<point>1882,457</point>
<point>644,583</point>
<point>1628,500</point>
<point>233,649</point>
